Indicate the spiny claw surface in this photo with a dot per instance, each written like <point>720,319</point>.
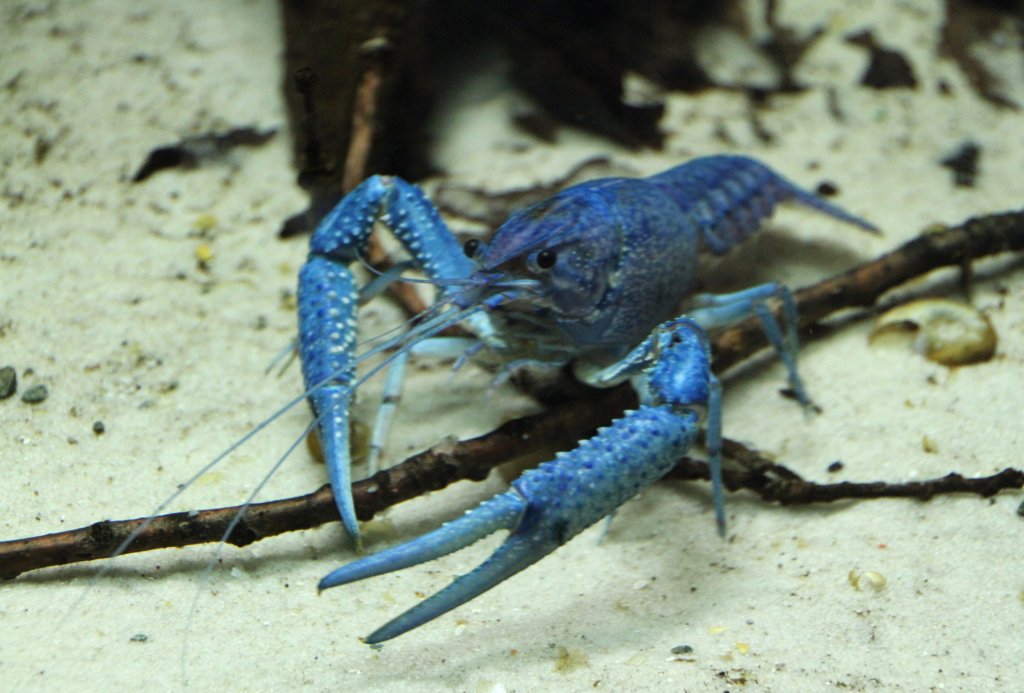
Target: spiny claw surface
<point>550,505</point>
<point>545,508</point>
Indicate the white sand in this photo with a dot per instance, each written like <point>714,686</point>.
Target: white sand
<point>91,301</point>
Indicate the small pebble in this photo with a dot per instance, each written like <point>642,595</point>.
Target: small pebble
<point>964,164</point>
<point>682,649</point>
<point>35,394</point>
<point>98,428</point>
<point>868,580</point>
<point>929,445</point>
<point>204,255</point>
<point>952,333</point>
<point>835,467</point>
<point>139,637</point>
<point>827,188</point>
<point>8,382</point>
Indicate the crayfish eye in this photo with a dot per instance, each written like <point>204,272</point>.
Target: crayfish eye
<point>546,259</point>
<point>471,248</point>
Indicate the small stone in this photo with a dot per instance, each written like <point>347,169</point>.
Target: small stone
<point>929,445</point>
<point>35,394</point>
<point>682,649</point>
<point>8,382</point>
<point>868,580</point>
<point>98,428</point>
<point>827,188</point>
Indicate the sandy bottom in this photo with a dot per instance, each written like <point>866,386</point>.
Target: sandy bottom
<point>103,301</point>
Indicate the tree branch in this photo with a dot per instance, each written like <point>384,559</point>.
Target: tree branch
<point>562,426</point>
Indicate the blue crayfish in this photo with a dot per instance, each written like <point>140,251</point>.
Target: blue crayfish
<point>594,276</point>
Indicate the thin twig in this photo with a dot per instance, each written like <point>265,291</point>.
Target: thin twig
<point>778,484</point>
<point>563,425</point>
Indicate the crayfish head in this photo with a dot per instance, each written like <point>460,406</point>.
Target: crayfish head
<point>554,257</point>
